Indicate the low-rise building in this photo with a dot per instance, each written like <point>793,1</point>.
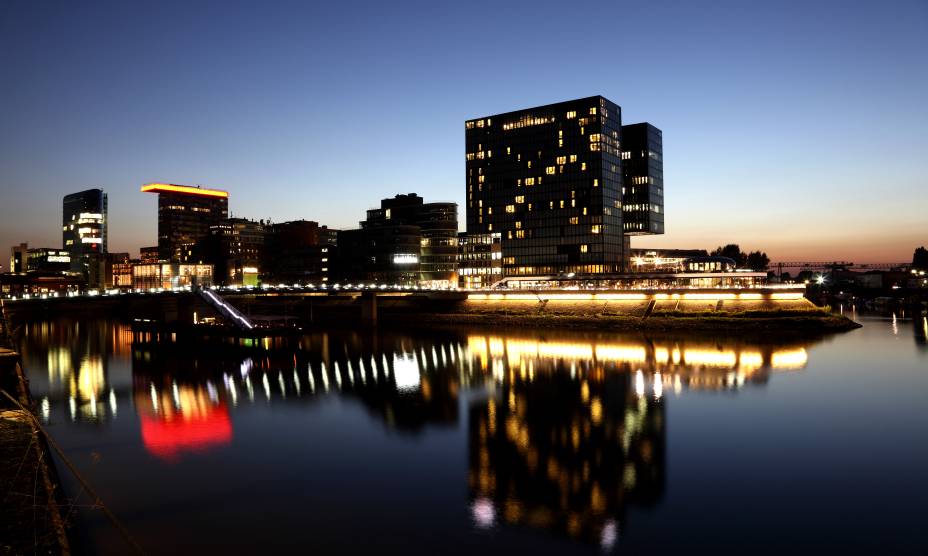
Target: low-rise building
<point>148,276</point>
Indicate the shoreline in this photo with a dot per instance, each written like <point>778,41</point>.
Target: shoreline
<point>733,323</point>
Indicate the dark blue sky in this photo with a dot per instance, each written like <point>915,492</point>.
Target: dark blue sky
<point>794,127</point>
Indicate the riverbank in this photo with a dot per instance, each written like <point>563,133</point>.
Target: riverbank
<point>30,517</point>
<point>729,323</point>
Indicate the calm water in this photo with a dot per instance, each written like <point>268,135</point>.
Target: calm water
<point>490,441</point>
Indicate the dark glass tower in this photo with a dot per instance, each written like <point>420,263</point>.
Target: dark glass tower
<point>550,180</point>
<point>84,233</point>
<point>185,215</point>
<point>643,162</point>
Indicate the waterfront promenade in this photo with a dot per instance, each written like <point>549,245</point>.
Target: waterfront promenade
<point>30,517</point>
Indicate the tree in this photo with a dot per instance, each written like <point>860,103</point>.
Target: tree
<point>920,259</point>
<point>757,260</point>
<point>733,252</point>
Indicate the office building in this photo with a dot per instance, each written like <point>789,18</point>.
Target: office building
<point>149,254</point>
<point>643,174</point>
<point>550,181</point>
<point>185,214</point>
<point>480,260</point>
<point>46,259</point>
<point>84,233</point>
<point>118,270</point>
<point>19,257</point>
<point>234,247</point>
<point>299,252</point>
<point>404,241</point>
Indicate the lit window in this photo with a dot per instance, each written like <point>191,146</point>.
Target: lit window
<point>510,208</point>
<point>572,114</point>
<point>593,111</point>
<point>584,248</point>
<point>595,182</point>
<point>520,198</point>
<point>574,219</point>
<point>562,160</point>
<point>596,228</point>
<point>549,170</point>
<point>573,158</point>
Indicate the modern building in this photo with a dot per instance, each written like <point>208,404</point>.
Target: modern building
<point>119,270</point>
<point>300,251</point>
<point>643,175</point>
<point>235,248</point>
<point>405,241</point>
<point>480,260</point>
<point>185,214</point>
<point>171,275</point>
<point>149,254</point>
<point>47,259</point>
<point>84,233</point>
<point>663,260</point>
<point>550,181</point>
<point>19,257</point>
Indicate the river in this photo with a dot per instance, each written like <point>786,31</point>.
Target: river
<point>491,441</point>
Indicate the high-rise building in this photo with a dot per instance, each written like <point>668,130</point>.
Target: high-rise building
<point>84,233</point>
<point>643,172</point>
<point>406,240</point>
<point>550,181</point>
<point>185,214</point>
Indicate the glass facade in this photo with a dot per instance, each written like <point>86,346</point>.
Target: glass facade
<point>84,233</point>
<point>549,180</point>
<point>167,275</point>
<point>643,193</point>
<point>480,260</point>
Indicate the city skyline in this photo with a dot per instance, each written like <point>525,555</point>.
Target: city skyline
<point>778,131</point>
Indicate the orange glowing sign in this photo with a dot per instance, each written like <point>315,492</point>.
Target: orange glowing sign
<point>189,190</point>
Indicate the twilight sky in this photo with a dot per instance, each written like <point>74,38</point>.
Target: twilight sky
<point>799,128</point>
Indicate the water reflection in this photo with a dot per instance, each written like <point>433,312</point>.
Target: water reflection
<point>564,432</point>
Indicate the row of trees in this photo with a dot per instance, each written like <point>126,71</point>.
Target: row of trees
<point>755,260</point>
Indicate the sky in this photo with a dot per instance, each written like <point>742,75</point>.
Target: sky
<point>796,128</point>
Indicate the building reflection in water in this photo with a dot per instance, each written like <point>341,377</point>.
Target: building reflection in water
<point>574,430</point>
<point>565,431</point>
<point>76,355</point>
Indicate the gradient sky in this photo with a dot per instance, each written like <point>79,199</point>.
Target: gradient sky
<point>799,128</point>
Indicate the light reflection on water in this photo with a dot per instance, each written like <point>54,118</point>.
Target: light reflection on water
<point>562,433</point>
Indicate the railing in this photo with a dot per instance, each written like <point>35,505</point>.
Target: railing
<point>226,310</point>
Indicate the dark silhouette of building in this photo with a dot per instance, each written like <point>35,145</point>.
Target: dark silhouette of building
<point>235,248</point>
<point>550,180</point>
<point>299,251</point>
<point>185,215</point>
<point>84,233</point>
<point>405,241</point>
